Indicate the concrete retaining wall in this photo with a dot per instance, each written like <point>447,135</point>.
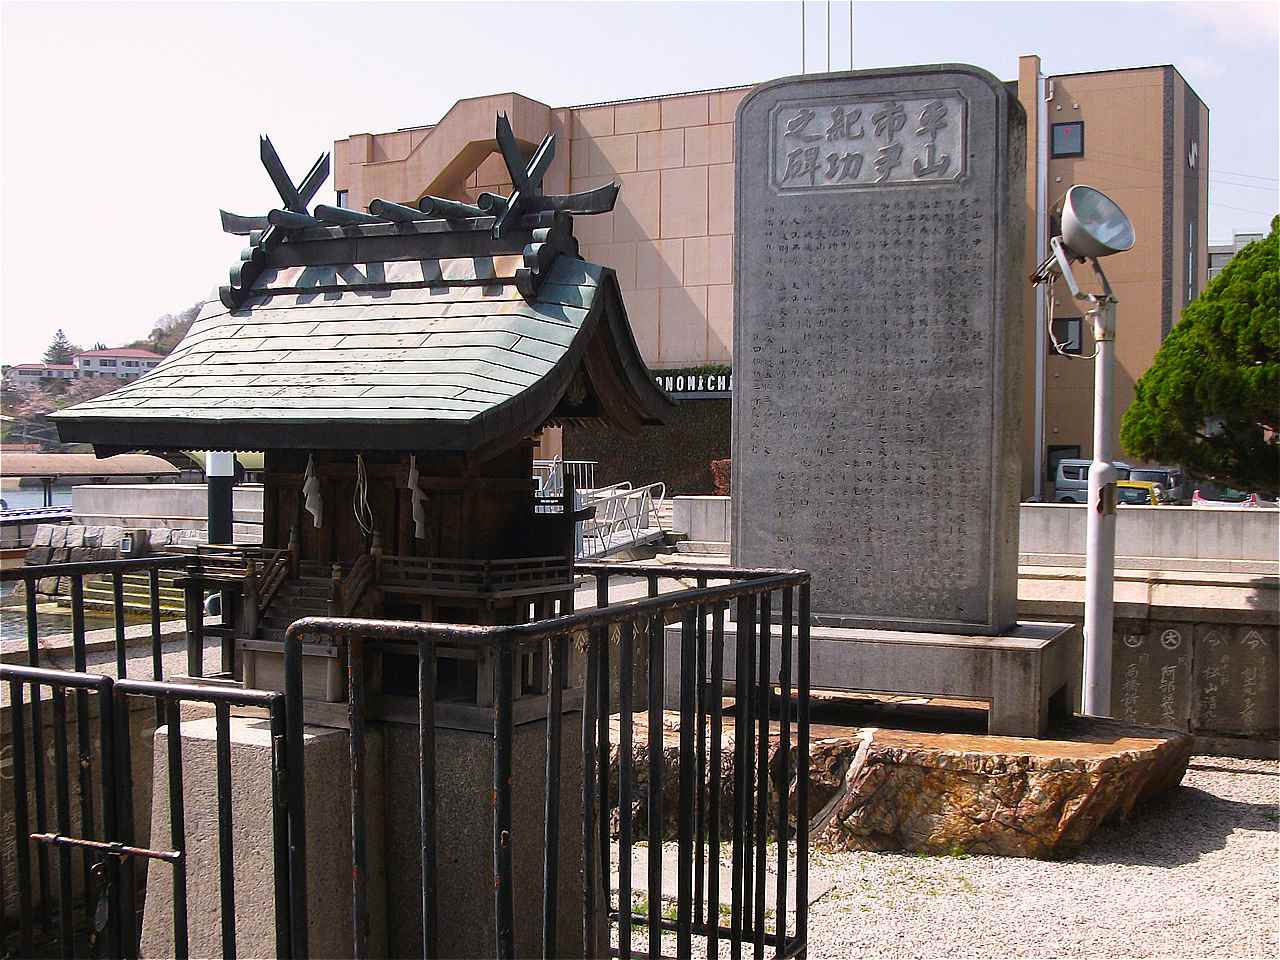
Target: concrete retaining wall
<point>173,505</point>
<point>1200,533</point>
<point>1048,532</point>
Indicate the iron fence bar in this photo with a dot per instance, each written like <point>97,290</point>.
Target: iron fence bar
<point>157,653</point>
<point>717,725</point>
<point>802,779</point>
<point>784,768</point>
<point>297,799</point>
<point>657,671</point>
<point>62,789</point>
<point>745,688</point>
<point>280,825</point>
<point>117,812</point>
<point>700,758</point>
<point>22,845</point>
<point>177,827</point>
<point>117,608</point>
<point>602,737</point>
<point>194,603</point>
<point>83,748</point>
<point>37,750</point>
<point>427,794</point>
<point>762,772</point>
<point>684,889</point>
<point>356,755</point>
<point>558,650</point>
<point>122,851</point>
<point>626,658</point>
<point>739,783</point>
<point>226,866</point>
<point>359,841</point>
<point>41,798</point>
<point>602,761</point>
<point>504,934</point>
<point>589,798</point>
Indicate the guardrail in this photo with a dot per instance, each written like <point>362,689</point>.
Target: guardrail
<point>621,627</point>
<point>621,518</point>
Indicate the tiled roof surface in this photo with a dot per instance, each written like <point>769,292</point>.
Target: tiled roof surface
<point>432,341</point>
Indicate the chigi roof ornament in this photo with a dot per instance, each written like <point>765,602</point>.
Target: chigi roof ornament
<point>545,220</point>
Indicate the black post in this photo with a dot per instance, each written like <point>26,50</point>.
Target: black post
<point>219,471</point>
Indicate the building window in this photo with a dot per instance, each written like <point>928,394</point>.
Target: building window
<point>1067,333</point>
<point>342,198</point>
<point>131,363</point>
<point>1067,139</point>
<point>1058,453</point>
<point>106,363</point>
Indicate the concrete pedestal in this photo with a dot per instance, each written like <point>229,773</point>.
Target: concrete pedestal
<point>328,792</point>
<point>1027,674</point>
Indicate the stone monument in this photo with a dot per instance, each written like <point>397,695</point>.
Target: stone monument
<point>877,358</point>
<point>876,344</point>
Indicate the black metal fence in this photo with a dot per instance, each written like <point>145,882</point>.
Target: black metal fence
<point>88,904</point>
<point>104,920</point>
<point>78,878</point>
<point>700,904</point>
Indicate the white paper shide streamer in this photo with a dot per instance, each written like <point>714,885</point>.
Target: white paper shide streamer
<point>311,492</point>
<point>419,501</point>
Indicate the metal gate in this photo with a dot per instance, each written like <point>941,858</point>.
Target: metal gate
<point>78,879</point>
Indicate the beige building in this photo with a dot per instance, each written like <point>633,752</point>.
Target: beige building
<point>1139,135</point>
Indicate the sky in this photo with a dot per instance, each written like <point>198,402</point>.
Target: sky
<point>125,127</point>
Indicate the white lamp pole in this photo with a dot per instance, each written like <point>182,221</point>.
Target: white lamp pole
<point>1100,557</point>
<point>1093,226</point>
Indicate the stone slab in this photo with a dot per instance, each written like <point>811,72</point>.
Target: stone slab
<point>1028,675</point>
<point>960,793</point>
<point>877,343</point>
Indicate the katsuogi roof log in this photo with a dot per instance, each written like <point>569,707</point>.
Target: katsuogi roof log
<point>386,332</point>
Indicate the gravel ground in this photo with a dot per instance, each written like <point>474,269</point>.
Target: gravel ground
<point>1196,874</point>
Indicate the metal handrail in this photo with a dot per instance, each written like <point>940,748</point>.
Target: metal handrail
<point>624,510</point>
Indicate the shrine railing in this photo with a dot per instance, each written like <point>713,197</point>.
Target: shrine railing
<point>473,578</point>
<point>768,722</point>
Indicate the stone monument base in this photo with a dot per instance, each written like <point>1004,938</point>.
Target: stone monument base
<point>1029,675</point>
<point>915,790</point>
<point>963,793</point>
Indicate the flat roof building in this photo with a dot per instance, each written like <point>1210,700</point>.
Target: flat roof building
<point>1140,135</point>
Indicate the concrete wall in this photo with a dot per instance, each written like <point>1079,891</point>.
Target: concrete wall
<point>1054,533</point>
<point>175,505</point>
<point>702,518</point>
<point>1192,532</point>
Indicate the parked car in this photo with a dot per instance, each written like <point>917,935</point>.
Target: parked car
<point>1170,479</point>
<point>1071,482</point>
<point>1140,493</point>
<point>1229,497</point>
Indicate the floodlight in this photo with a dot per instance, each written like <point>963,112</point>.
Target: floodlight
<point>1092,224</point>
<point>1086,224</point>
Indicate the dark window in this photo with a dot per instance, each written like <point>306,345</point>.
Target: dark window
<point>106,363</point>
<point>1058,453</point>
<point>1066,331</point>
<point>1067,139</point>
<point>342,198</point>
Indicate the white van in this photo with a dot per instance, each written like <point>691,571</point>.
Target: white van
<point>1071,483</point>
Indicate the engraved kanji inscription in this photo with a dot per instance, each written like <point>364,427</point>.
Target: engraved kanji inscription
<point>868,143</point>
